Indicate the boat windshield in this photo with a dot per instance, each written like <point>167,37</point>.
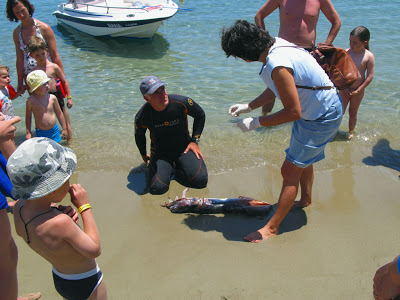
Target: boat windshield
<point>86,1</point>
<point>112,2</point>
<point>93,2</point>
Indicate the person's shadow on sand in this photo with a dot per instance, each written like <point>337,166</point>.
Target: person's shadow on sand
<point>137,178</point>
<point>384,155</point>
<point>235,227</point>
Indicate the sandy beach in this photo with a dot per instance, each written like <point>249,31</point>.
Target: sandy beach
<point>328,251</point>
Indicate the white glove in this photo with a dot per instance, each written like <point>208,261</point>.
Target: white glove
<point>249,124</point>
<point>237,109</point>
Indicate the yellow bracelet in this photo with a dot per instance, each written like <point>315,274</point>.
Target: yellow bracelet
<point>69,97</point>
<point>84,207</point>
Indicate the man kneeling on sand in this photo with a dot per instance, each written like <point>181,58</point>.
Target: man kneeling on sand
<point>40,170</point>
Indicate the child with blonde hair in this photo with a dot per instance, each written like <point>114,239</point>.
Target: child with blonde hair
<point>44,107</point>
<point>365,62</point>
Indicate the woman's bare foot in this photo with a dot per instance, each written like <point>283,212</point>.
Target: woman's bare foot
<point>350,135</point>
<point>32,296</point>
<point>302,203</point>
<point>262,234</point>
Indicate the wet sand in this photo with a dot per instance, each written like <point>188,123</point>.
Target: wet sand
<point>328,251</point>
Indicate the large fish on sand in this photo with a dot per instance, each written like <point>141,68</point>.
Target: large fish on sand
<point>217,205</point>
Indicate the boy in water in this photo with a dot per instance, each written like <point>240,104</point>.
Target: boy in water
<point>37,50</point>
<point>45,108</point>
<point>7,93</point>
<point>39,170</point>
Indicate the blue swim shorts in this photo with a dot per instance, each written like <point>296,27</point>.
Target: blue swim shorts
<point>309,137</point>
<point>53,133</point>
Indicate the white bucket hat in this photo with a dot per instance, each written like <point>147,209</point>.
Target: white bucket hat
<point>38,167</point>
<point>36,79</point>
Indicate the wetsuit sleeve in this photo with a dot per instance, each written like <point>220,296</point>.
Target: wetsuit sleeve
<point>195,111</point>
<point>140,135</point>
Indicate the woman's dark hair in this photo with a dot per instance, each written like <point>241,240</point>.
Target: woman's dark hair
<point>245,40</point>
<point>12,3</point>
<point>363,34</point>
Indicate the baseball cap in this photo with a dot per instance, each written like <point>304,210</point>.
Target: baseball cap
<point>36,79</point>
<point>38,167</point>
<point>150,84</point>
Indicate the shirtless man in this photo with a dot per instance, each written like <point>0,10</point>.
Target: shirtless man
<point>298,25</point>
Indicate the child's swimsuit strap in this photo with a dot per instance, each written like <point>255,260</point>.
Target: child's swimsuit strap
<point>26,224</point>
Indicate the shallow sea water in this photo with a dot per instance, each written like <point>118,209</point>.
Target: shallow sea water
<point>104,75</point>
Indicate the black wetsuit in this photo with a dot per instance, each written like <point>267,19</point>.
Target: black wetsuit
<point>169,134</point>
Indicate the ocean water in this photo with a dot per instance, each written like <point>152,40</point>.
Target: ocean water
<point>104,75</point>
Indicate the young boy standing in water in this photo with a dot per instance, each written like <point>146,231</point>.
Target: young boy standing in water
<point>365,62</point>
<point>37,50</point>
<point>44,107</point>
<point>39,170</point>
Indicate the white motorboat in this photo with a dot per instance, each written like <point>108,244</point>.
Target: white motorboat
<point>116,18</point>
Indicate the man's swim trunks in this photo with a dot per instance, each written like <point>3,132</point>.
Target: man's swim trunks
<point>77,286</point>
<point>53,133</point>
<point>59,98</point>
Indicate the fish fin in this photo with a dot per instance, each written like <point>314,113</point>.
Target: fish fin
<point>246,198</point>
<point>184,192</point>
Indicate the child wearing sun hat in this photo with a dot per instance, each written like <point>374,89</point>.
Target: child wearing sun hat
<point>40,170</point>
<point>44,107</point>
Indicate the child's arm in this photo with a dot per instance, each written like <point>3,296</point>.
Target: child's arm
<point>7,133</point>
<point>50,39</point>
<point>370,74</point>
<point>28,119</point>
<point>60,74</point>
<point>60,116</point>
<point>86,242</point>
<point>69,211</point>
<point>19,92</point>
